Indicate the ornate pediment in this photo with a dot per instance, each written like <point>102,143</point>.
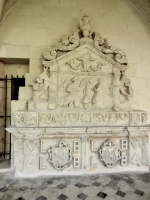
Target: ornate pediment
<point>85,36</point>
<point>83,83</point>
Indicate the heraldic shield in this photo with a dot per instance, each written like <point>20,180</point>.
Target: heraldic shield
<point>110,153</point>
<point>60,156</point>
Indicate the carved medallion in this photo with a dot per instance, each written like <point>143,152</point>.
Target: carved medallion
<point>60,155</point>
<point>110,153</point>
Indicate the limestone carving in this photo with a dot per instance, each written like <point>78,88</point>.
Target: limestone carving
<point>102,97</point>
<point>18,144</point>
<point>19,118</point>
<point>122,91</point>
<point>67,44</point>
<point>86,63</point>
<point>31,144</point>
<point>55,118</point>
<point>85,26</point>
<point>136,156</point>
<point>86,29</point>
<point>88,37</point>
<point>49,119</point>
<point>87,94</point>
<point>102,45</point>
<point>110,153</point>
<point>60,156</point>
<point>31,119</point>
<point>30,164</point>
<point>72,98</point>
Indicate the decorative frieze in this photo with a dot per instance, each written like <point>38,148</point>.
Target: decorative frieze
<point>49,119</point>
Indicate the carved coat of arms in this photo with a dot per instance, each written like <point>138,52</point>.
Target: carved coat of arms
<point>110,153</point>
<point>60,155</point>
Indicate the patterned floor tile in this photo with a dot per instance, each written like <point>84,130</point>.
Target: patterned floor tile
<point>4,189</point>
<point>107,187</point>
<point>141,193</point>
<point>102,195</point>
<point>23,188</point>
<point>62,197</point>
<point>41,198</point>
<point>120,193</point>
<point>82,196</point>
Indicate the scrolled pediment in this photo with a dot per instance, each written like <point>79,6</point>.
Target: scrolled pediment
<point>85,36</point>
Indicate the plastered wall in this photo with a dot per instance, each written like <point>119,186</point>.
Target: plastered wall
<point>34,24</point>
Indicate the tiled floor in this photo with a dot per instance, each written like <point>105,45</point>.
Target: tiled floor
<point>109,187</point>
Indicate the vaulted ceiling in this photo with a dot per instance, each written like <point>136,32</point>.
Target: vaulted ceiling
<point>142,5</point>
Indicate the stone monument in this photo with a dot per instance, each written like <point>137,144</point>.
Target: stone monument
<point>77,117</point>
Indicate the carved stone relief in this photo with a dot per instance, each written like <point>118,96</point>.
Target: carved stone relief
<point>60,155</point>
<point>110,153</point>
<point>18,154</point>
<point>86,63</point>
<point>31,147</point>
<point>80,118</point>
<point>88,37</point>
<point>82,103</point>
<point>31,119</point>
<point>30,164</point>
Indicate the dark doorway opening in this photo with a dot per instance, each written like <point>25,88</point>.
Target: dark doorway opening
<point>11,92</point>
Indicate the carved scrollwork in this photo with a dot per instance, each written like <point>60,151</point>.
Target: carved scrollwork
<point>67,44</point>
<point>102,45</point>
<point>86,63</point>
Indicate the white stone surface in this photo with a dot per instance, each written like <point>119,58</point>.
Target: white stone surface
<point>90,78</point>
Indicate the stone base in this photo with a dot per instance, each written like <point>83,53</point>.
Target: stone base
<point>75,151</point>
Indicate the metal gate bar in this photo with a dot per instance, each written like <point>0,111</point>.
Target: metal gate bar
<point>6,79</point>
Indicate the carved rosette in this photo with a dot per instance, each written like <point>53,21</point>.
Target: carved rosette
<point>110,153</point>
<point>60,156</point>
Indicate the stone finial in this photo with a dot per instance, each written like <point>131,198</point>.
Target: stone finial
<point>85,26</point>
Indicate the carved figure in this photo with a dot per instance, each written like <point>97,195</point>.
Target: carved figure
<point>72,99</point>
<point>122,91</point>
<point>87,95</point>
<point>101,98</point>
<point>40,88</point>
